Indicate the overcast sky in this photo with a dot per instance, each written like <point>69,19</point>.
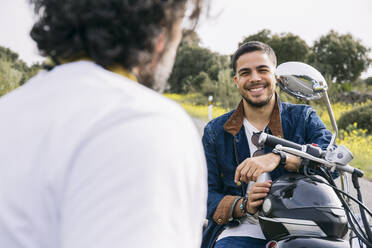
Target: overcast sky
<point>231,21</point>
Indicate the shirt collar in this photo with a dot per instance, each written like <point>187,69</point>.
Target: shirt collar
<point>235,122</point>
<point>114,68</point>
<point>123,72</point>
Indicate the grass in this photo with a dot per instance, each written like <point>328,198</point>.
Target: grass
<point>360,145</point>
<point>356,140</point>
<point>198,111</point>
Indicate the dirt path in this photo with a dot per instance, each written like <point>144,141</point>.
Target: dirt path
<point>365,185</point>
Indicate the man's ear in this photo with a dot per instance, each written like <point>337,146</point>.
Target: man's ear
<point>160,42</point>
<point>236,81</point>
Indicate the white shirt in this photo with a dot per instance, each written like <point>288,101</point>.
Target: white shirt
<point>248,226</point>
<point>89,158</point>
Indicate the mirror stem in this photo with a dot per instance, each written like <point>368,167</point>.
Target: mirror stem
<point>332,118</point>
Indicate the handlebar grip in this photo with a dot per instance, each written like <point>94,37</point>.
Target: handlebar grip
<point>358,173</point>
<point>271,140</point>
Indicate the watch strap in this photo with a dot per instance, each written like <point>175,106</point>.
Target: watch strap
<point>283,157</point>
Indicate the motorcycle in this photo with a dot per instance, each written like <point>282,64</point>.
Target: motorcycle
<point>307,209</point>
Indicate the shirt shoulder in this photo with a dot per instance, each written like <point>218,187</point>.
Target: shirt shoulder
<point>295,111</point>
<point>87,92</point>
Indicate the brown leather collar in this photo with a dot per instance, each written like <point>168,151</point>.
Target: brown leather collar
<point>235,122</point>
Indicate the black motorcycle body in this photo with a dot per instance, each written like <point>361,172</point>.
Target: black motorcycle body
<point>300,212</point>
<point>312,242</point>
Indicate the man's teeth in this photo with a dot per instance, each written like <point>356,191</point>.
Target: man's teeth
<point>256,89</point>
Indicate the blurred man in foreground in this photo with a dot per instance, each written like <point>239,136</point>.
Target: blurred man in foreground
<point>89,157</point>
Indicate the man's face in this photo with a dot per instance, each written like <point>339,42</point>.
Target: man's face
<point>255,78</point>
<point>165,65</point>
<point>156,73</point>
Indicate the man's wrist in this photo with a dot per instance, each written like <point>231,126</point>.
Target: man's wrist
<point>250,212</point>
<point>282,155</point>
<point>293,163</point>
<point>231,217</point>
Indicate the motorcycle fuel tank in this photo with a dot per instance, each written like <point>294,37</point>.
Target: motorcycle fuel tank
<point>297,206</point>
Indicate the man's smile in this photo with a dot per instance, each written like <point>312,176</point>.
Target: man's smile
<point>256,89</point>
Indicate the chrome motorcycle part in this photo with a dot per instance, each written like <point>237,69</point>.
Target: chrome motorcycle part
<point>305,82</point>
<point>341,155</point>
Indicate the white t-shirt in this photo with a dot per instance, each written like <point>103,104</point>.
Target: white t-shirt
<point>89,158</point>
<point>248,227</point>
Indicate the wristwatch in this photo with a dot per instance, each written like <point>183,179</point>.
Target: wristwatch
<point>283,157</point>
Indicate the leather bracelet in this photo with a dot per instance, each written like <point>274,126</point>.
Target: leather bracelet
<point>233,207</point>
<point>283,157</point>
<point>243,205</point>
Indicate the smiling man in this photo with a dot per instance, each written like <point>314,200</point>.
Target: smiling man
<point>239,169</point>
<point>91,155</point>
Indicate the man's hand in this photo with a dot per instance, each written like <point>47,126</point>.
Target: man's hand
<point>256,195</point>
<point>251,168</point>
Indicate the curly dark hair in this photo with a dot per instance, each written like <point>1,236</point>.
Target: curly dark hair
<point>107,31</point>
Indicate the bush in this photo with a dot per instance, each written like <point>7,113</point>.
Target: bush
<point>362,116</point>
<point>368,81</point>
<point>223,90</point>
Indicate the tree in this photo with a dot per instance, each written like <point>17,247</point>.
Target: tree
<point>264,36</point>
<point>227,94</point>
<point>342,57</point>
<point>368,81</point>
<point>287,46</point>
<point>9,77</point>
<point>31,71</point>
<point>14,71</point>
<point>13,58</point>
<point>191,61</point>
<point>8,55</point>
<point>190,37</point>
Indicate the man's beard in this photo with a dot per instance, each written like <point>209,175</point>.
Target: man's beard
<point>257,104</point>
<point>261,103</point>
<point>156,79</point>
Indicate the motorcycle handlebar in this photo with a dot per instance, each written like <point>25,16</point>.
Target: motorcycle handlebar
<point>315,152</point>
<point>271,140</point>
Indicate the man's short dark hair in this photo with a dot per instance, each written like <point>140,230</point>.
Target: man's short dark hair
<point>109,32</point>
<point>252,46</point>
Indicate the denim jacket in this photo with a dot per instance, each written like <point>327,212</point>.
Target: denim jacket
<point>226,146</point>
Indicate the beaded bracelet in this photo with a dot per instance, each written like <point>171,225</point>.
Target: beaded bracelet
<point>243,205</point>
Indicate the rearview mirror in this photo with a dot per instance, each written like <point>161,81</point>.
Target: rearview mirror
<point>301,80</point>
<point>305,82</point>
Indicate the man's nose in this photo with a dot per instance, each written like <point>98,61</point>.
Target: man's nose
<point>255,76</point>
